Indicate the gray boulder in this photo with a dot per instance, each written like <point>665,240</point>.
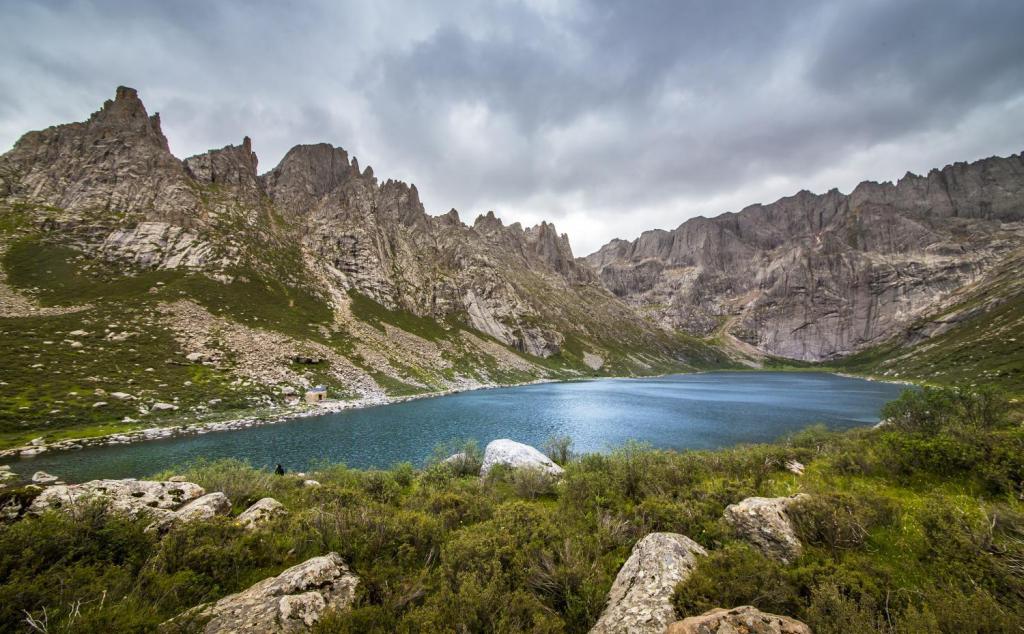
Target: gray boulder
<point>640,601</point>
<point>293,601</point>
<point>204,508</point>
<point>132,497</point>
<point>764,523</point>
<point>745,619</point>
<point>260,513</point>
<point>516,455</point>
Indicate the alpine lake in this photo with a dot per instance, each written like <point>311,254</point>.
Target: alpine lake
<point>683,411</point>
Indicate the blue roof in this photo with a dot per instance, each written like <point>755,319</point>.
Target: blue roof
<point>318,388</point>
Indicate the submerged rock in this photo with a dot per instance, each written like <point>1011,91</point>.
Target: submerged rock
<point>261,513</point>
<point>640,600</point>
<point>764,523</point>
<point>516,455</point>
<point>293,601</point>
<point>744,619</point>
<point>42,477</point>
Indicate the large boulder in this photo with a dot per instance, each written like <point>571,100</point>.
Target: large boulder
<point>516,455</point>
<point>744,619</point>
<point>640,600</point>
<point>260,513</point>
<point>132,497</point>
<point>293,601</point>
<point>764,523</point>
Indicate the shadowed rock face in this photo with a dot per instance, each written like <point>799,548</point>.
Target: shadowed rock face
<point>816,277</point>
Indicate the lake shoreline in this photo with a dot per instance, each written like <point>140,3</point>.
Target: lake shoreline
<point>256,418</point>
<point>286,413</point>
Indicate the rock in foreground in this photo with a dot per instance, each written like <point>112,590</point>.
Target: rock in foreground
<point>516,455</point>
<point>764,523</point>
<point>640,601</point>
<point>293,601</point>
<point>744,619</point>
<point>129,496</point>
<point>260,513</point>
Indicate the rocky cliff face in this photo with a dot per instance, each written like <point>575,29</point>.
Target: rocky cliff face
<point>817,277</point>
<point>378,240</point>
<point>315,260</point>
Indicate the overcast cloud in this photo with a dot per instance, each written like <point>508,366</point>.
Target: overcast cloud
<point>607,118</point>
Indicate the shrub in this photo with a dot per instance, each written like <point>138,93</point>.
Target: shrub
<point>736,574</point>
<point>839,521</point>
<point>559,449</point>
<point>470,459</point>
<point>931,410</point>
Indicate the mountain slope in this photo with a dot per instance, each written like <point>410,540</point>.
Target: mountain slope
<point>136,286</point>
<point>977,337</point>
<point>819,277</point>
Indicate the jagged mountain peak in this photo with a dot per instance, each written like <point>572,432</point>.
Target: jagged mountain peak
<point>230,165</point>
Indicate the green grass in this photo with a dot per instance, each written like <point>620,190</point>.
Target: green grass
<point>904,532</point>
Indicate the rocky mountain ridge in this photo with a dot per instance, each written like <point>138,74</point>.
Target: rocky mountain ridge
<point>234,275</point>
<point>817,277</point>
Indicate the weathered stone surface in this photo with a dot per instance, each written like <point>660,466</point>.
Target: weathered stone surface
<point>817,277</point>
<point>764,523</point>
<point>204,508</point>
<point>516,455</point>
<point>129,496</point>
<point>293,601</point>
<point>261,513</point>
<point>742,620</point>
<point>640,601</point>
<point>42,477</point>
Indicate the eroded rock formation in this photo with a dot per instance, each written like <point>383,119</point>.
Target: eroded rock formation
<point>765,523</point>
<point>640,601</point>
<point>293,601</point>
<point>817,277</point>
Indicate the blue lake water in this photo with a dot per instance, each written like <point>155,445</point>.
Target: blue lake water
<point>686,411</point>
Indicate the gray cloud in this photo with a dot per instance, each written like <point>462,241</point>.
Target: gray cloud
<point>607,117</point>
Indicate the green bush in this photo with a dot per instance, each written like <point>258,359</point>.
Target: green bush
<point>931,410</point>
<point>839,521</point>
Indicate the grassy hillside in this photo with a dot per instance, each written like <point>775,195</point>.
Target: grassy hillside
<point>914,528</point>
<point>58,385</point>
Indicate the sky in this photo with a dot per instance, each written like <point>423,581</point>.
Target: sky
<point>606,118</point>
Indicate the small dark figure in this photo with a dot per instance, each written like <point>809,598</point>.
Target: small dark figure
<point>279,470</point>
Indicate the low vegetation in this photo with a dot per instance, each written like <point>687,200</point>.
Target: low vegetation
<point>916,526</point>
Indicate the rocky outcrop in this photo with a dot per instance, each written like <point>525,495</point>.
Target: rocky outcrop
<point>516,456</point>
<point>118,162</point>
<point>293,601</point>
<point>133,497</point>
<point>640,601</point>
<point>261,513</point>
<point>817,277</point>
<point>765,524</point>
<point>204,508</point>
<point>742,620</point>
